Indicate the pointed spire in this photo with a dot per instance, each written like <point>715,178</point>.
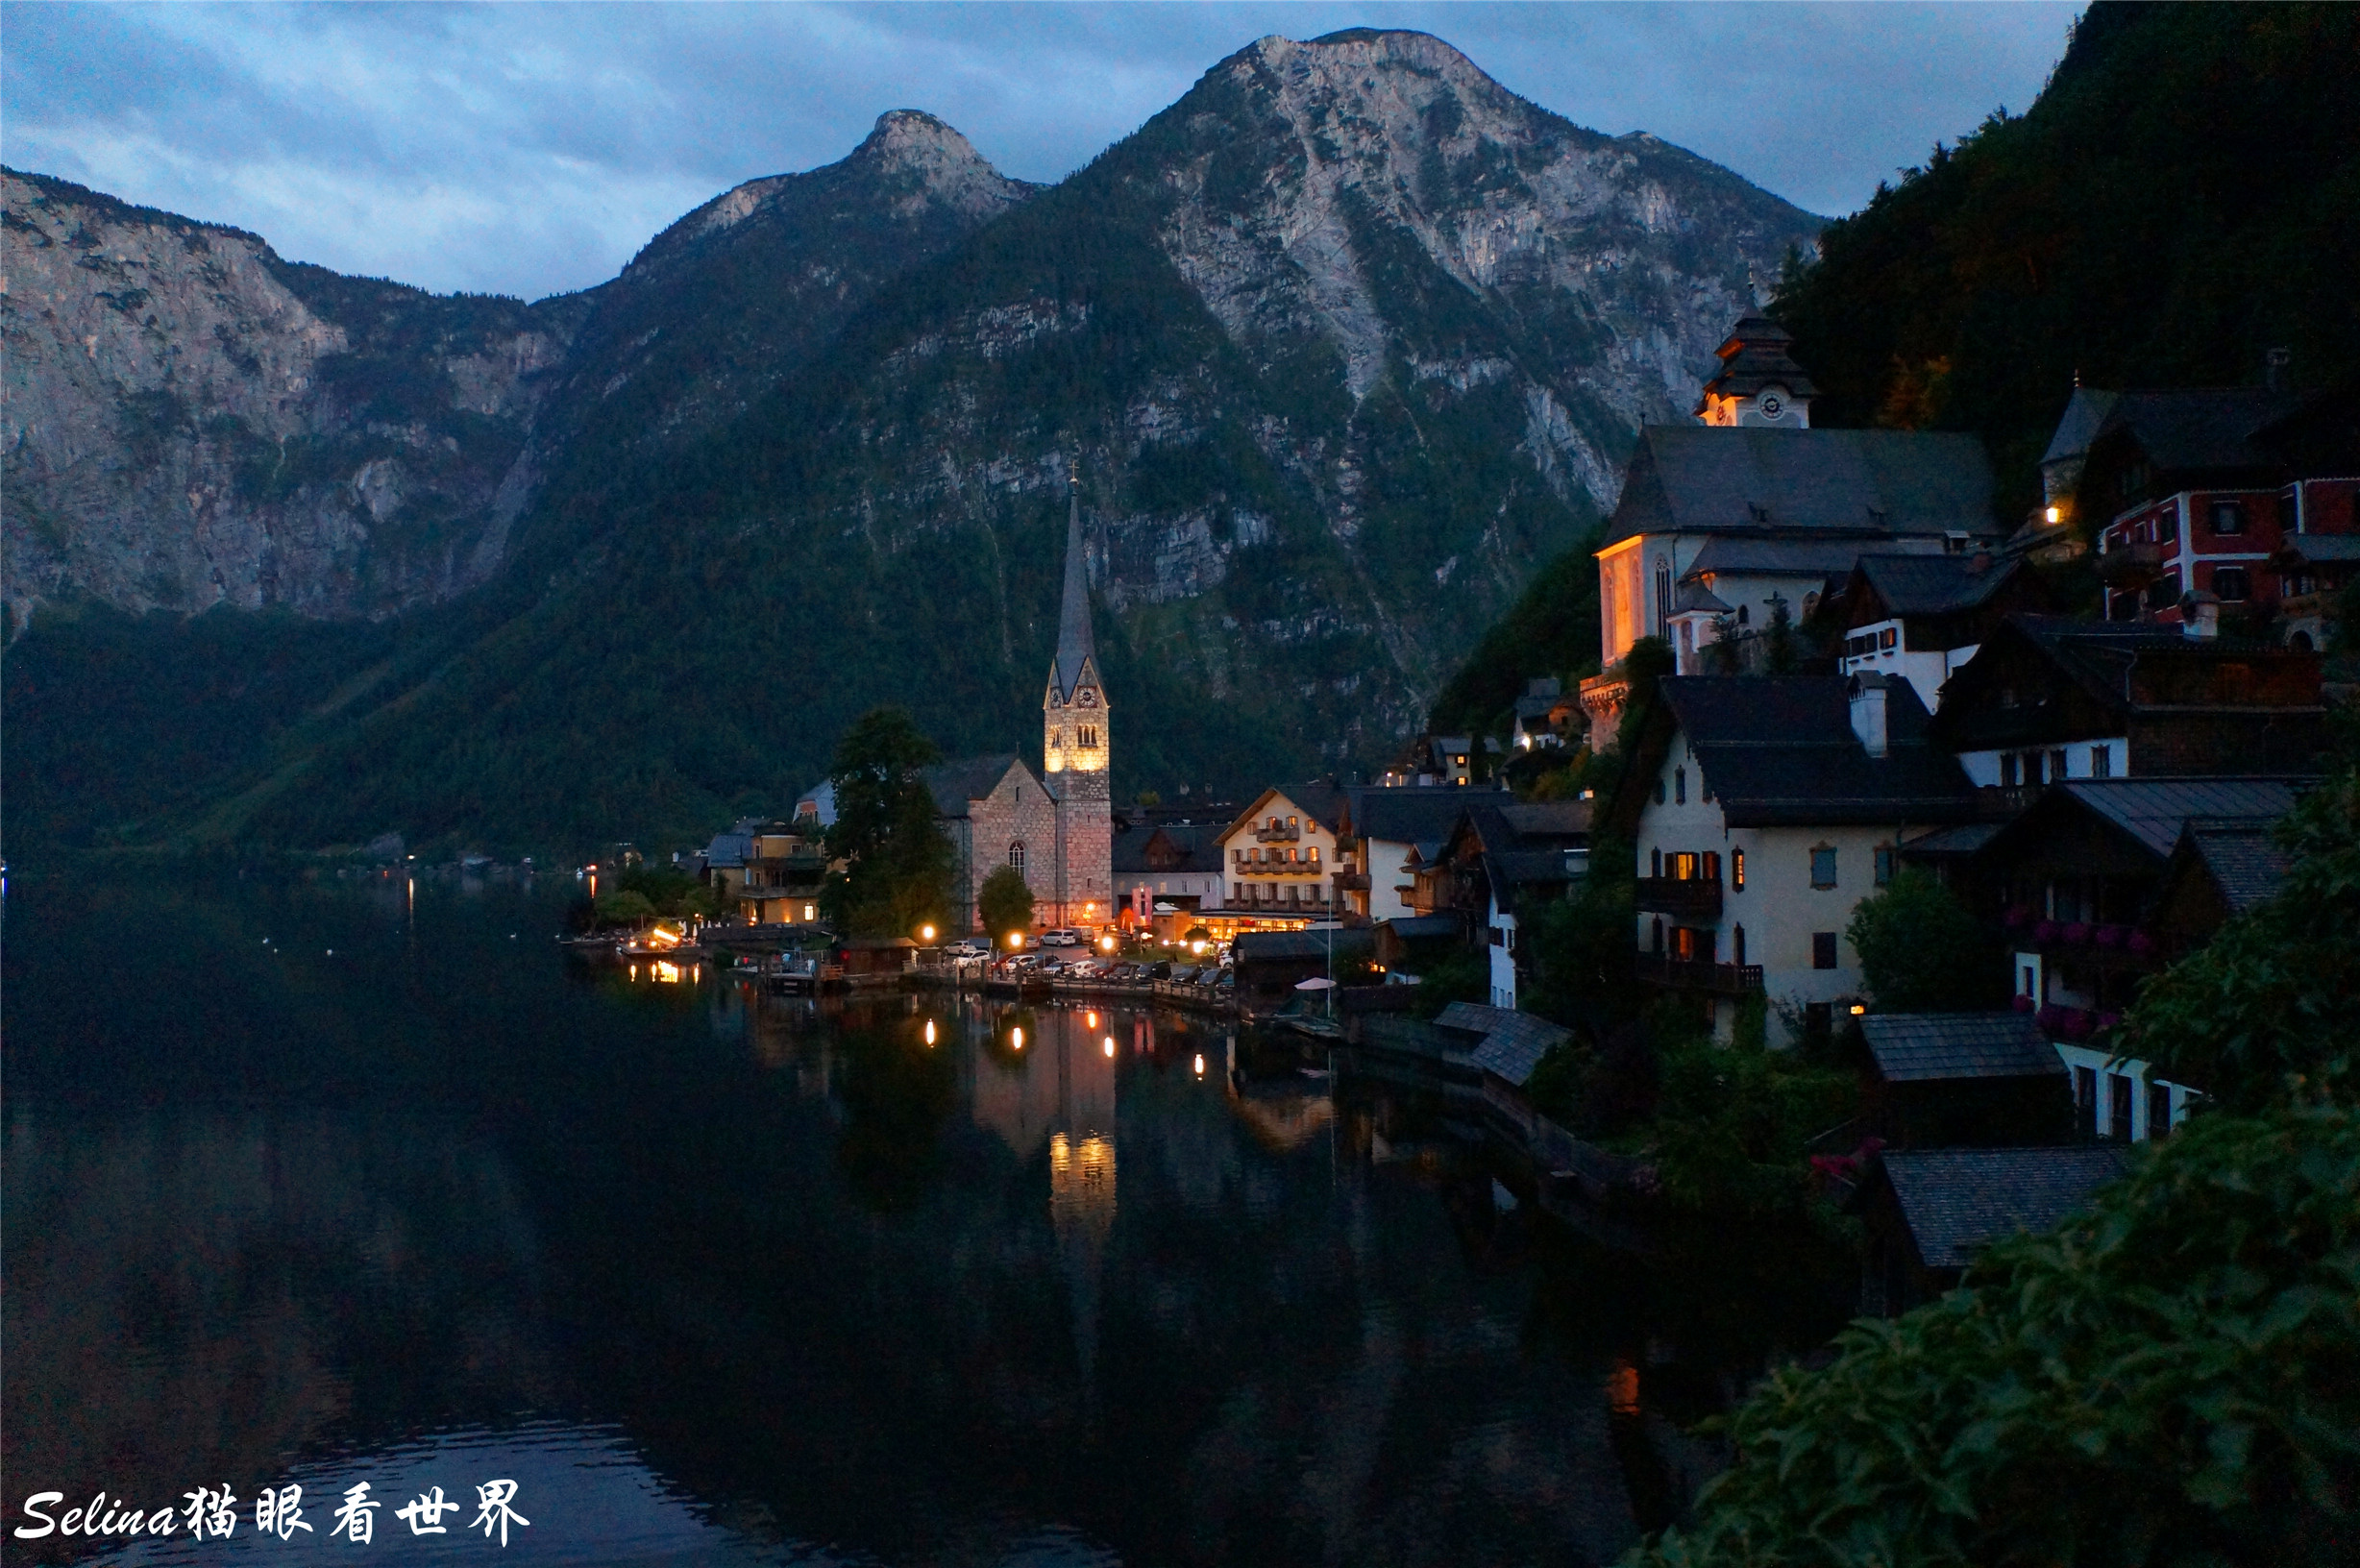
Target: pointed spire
<point>1074,643</point>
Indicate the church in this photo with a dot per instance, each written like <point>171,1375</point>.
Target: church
<point>1056,828</point>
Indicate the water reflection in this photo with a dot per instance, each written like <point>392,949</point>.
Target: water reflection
<point>754,1278</point>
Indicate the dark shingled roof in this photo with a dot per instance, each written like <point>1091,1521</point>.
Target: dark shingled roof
<point>1513,1042</point>
<point>2154,810</point>
<point>1196,843</point>
<point>1780,749</point>
<point>1420,927</point>
<point>1075,646</point>
<point>1265,947</point>
<point>1921,1047</point>
<point>1958,1201</point>
<point>1564,820</point>
<point>1932,584</point>
<point>1877,483</point>
<point>1757,555</point>
<point>2199,427</point>
<point>954,784</point>
<point>1423,814</point>
<point>2079,424</point>
<point>2246,862</point>
<point>1695,596</point>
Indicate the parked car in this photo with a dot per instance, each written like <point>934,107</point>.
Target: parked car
<point>1061,937</point>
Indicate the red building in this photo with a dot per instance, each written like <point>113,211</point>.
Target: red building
<point>2243,493</point>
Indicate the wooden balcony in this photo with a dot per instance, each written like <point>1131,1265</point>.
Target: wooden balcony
<point>1267,834</point>
<point>1690,899</point>
<point>1694,974</point>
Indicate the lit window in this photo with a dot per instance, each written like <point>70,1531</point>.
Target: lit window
<point>1736,872</point>
<point>1823,867</point>
<point>1016,856</point>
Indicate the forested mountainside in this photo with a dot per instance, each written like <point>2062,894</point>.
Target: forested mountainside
<point>2183,196</point>
<point>1343,343</point>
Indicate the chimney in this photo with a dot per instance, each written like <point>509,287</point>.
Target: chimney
<point>2199,615</point>
<point>1868,689</point>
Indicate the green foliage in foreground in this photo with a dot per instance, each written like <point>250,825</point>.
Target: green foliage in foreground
<point>1921,950</point>
<point>899,876</point>
<point>2267,1009</point>
<point>2171,1379</point>
<point>1004,902</point>
<point>2174,1378</point>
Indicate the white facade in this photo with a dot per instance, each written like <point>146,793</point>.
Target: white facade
<point>2119,1096</point>
<point>2105,756</point>
<point>1774,912</point>
<point>1280,860</point>
<point>1501,934</point>
<point>1884,647</point>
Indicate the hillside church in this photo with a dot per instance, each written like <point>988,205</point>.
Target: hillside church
<point>1056,828</point>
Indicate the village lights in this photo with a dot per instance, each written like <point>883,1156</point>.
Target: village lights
<point>1110,1044</point>
<point>2055,514</point>
<point>925,933</point>
<point>1858,1011</point>
<point>1015,1038</point>
<point>1199,1066</point>
<point>1090,1020</point>
<point>1016,939</point>
<point>1106,945</point>
<point>929,1031</point>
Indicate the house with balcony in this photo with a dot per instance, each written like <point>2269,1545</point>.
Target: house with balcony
<point>1923,617</point>
<point>2245,494</point>
<point>2100,882</point>
<point>1279,856</point>
<point>2048,700</point>
<point>1386,831</point>
<point>1753,509</point>
<point>767,873</point>
<point>1502,861</point>
<point>1545,717</point>
<point>1763,809</point>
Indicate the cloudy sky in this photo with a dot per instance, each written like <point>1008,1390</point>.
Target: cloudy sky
<point>528,148</point>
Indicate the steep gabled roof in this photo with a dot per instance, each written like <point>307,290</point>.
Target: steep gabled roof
<point>1876,483</point>
<point>1421,813</point>
<point>1923,1047</point>
<point>956,784</point>
<point>1958,1201</point>
<point>2243,859</point>
<point>1933,584</point>
<point>1144,848</point>
<point>2078,426</point>
<point>1780,749</point>
<point>1319,799</point>
<point>2199,428</point>
<point>2154,811</point>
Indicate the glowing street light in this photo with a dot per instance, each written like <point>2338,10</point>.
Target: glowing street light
<point>1015,1038</point>
<point>1016,939</point>
<point>929,1031</point>
<point>925,933</point>
<point>1200,1067</point>
<point>1110,1044</point>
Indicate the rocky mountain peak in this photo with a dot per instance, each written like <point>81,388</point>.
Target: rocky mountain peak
<point>910,141</point>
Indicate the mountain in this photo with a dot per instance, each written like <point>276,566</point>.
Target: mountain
<point>1341,345</point>
<point>2182,198</point>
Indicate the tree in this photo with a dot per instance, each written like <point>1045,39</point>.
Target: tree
<point>1924,951</point>
<point>1779,654</point>
<point>899,859</point>
<point>1004,902</point>
<point>2263,1011</point>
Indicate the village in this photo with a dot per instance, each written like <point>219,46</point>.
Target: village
<point>1836,685</point>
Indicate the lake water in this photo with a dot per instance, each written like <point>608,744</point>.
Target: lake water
<point>318,1183</point>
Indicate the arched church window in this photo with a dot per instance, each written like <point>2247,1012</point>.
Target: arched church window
<point>1016,856</point>
<point>1663,594</point>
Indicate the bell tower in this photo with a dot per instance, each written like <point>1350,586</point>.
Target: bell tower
<point>1074,746</point>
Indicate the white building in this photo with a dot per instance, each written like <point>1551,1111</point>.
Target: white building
<point>1763,809</point>
<point>1279,855</point>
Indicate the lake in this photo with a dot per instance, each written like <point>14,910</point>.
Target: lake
<point>322,1182</point>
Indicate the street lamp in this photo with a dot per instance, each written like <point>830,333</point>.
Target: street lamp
<point>925,933</point>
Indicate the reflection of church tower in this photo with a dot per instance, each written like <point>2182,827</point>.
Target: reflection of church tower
<point>1075,749</point>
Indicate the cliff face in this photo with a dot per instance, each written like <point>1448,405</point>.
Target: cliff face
<point>190,421</point>
<point>1345,343</point>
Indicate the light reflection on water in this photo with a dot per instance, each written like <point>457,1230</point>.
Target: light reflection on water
<point>721,1277</point>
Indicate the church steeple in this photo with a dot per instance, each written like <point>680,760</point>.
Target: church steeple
<point>1075,648</point>
<point>1073,710</point>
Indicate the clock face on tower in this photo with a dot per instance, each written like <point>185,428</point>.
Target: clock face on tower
<point>1088,699</point>
<point>1773,406</point>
